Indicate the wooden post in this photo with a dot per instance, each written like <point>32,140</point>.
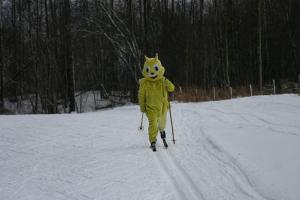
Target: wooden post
<point>274,87</point>
<point>251,91</point>
<point>230,88</point>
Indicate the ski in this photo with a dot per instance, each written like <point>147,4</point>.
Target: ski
<point>163,137</point>
<point>165,143</point>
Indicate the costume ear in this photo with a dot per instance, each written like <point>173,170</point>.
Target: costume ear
<point>146,58</point>
<point>156,56</point>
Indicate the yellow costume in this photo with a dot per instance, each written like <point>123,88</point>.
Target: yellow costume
<point>153,96</point>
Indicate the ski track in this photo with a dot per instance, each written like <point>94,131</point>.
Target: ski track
<point>229,169</point>
<point>186,186</point>
<point>181,181</point>
<point>249,116</point>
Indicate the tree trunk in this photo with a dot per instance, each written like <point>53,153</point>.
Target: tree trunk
<point>68,62</point>
<point>146,27</point>
<point>227,20</point>
<point>14,65</point>
<point>129,14</point>
<point>35,108</point>
<point>259,46</point>
<point>1,62</point>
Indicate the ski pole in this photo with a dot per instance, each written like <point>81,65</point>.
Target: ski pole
<point>141,127</point>
<point>171,122</point>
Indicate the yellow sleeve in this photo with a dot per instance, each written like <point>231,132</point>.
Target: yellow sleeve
<point>142,96</point>
<point>169,85</point>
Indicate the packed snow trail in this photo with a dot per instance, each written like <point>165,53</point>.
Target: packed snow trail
<point>237,149</point>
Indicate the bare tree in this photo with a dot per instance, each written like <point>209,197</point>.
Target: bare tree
<point>44,43</point>
<point>124,42</point>
<point>67,48</point>
<point>259,44</point>
<point>1,61</point>
<point>228,9</point>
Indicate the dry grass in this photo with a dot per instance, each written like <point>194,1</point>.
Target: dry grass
<point>194,94</point>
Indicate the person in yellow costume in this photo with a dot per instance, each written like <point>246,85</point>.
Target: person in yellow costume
<point>153,97</point>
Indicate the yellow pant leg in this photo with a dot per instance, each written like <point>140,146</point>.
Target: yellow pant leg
<point>162,119</point>
<point>153,125</point>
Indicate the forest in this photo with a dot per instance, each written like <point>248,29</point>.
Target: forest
<point>54,50</point>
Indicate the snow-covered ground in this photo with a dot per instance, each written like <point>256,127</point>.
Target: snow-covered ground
<point>85,102</point>
<point>239,149</point>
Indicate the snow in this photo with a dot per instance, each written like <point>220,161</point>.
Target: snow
<point>85,102</point>
<point>246,148</point>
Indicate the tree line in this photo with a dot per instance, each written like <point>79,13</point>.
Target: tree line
<point>51,50</point>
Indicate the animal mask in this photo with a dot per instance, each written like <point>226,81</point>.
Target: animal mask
<point>153,68</point>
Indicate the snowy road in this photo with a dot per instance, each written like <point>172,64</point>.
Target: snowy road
<point>239,149</point>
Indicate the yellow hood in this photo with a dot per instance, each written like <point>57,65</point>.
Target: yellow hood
<point>153,69</point>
